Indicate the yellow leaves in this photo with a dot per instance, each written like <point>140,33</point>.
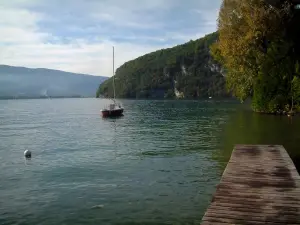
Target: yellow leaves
<point>244,26</point>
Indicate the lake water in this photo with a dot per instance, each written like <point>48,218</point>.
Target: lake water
<point>158,164</point>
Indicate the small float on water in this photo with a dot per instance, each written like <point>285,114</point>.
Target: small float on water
<point>114,109</point>
<point>27,153</point>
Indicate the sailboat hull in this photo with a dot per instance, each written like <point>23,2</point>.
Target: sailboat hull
<point>112,113</point>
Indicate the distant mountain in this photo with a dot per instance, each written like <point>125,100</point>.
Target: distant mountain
<point>21,82</point>
<point>184,71</point>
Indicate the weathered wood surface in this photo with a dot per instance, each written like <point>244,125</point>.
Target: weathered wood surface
<point>260,185</point>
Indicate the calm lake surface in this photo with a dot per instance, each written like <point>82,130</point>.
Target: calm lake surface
<point>158,164</point>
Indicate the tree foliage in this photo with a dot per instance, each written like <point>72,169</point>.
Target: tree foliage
<point>259,50</point>
<point>187,69</point>
<point>296,85</point>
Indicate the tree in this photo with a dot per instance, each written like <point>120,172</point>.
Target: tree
<point>256,49</point>
<point>295,86</point>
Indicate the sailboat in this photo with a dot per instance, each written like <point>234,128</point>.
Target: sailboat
<point>114,109</point>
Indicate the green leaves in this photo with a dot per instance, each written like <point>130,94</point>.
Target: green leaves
<point>258,52</point>
<point>296,88</point>
<point>155,75</point>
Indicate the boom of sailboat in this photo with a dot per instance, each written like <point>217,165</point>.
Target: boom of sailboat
<point>114,109</point>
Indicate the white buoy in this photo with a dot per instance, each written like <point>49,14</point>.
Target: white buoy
<point>27,153</point>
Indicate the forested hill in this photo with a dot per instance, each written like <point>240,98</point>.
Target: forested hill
<point>184,71</point>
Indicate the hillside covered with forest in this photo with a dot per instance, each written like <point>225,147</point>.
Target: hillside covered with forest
<point>184,71</point>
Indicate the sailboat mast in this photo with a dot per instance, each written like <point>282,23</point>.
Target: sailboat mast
<point>114,72</point>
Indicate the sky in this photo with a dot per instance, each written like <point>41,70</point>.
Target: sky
<point>78,35</point>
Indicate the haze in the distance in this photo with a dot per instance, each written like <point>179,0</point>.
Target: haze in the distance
<point>21,82</point>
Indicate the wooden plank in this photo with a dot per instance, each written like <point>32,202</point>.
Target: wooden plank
<point>258,196</point>
<point>258,179</point>
<point>260,185</point>
<point>216,219</point>
<point>258,202</point>
<point>286,192</point>
<point>276,206</point>
<point>233,186</point>
<point>258,218</point>
<point>249,205</point>
<point>209,223</point>
<point>244,174</point>
<point>254,211</point>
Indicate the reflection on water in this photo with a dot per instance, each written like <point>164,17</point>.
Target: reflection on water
<point>246,127</point>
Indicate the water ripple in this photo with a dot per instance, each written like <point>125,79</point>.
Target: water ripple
<point>159,156</point>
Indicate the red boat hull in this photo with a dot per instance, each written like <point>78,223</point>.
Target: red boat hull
<point>112,113</point>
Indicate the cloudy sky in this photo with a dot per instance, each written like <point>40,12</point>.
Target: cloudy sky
<point>78,35</point>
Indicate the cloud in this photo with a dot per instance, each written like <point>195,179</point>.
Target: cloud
<point>78,36</point>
